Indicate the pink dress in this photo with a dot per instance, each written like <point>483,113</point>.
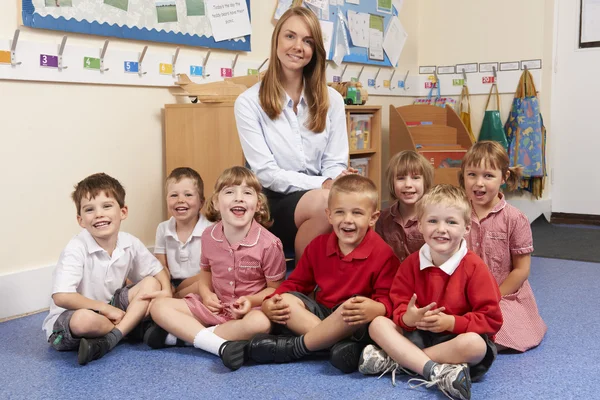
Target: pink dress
<point>404,238</point>
<point>239,270</point>
<point>504,232</point>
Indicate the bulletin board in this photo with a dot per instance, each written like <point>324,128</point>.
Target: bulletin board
<point>361,54</point>
<point>170,21</point>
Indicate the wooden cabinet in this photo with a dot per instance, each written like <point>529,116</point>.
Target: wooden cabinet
<point>437,133</point>
<point>370,150</point>
<point>203,137</point>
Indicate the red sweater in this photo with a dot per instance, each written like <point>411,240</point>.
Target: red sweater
<point>367,271</point>
<point>470,294</point>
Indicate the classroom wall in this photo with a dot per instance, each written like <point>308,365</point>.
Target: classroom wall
<point>55,134</point>
<point>575,107</point>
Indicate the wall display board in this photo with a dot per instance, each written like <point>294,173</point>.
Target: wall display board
<point>220,24</point>
<point>357,31</point>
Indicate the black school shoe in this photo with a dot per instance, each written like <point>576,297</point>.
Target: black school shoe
<point>92,349</point>
<point>345,355</point>
<point>234,353</point>
<point>155,337</point>
<point>139,331</point>
<point>264,348</point>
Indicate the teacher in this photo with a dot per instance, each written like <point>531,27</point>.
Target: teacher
<point>292,129</point>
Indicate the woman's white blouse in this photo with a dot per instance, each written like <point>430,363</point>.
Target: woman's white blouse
<point>285,155</point>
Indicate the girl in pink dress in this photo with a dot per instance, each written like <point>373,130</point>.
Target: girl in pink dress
<point>241,263</point>
<point>409,176</point>
<point>500,234</point>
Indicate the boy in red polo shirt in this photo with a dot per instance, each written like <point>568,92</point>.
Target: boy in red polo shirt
<point>353,269</point>
<point>446,305</point>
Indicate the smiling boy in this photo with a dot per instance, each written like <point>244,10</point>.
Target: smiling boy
<point>353,270</point>
<point>92,309</point>
<point>446,304</point>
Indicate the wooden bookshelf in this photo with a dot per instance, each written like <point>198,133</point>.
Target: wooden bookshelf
<point>203,137</point>
<point>373,149</point>
<point>431,131</point>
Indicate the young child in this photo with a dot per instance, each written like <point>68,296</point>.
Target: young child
<point>445,300</point>
<point>177,245</point>
<point>501,235</point>
<point>353,268</point>
<point>241,263</point>
<point>409,176</point>
<point>92,308</point>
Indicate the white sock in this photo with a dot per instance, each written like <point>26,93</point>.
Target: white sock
<point>171,340</point>
<point>208,341</point>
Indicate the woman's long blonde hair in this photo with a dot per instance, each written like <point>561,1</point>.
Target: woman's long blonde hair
<point>272,94</point>
<point>235,176</point>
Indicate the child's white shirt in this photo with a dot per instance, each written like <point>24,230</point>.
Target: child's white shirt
<point>183,259</point>
<point>86,268</point>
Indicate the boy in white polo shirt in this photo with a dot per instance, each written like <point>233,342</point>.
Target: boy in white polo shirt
<point>92,308</point>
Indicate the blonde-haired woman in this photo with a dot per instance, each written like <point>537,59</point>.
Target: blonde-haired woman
<point>292,128</point>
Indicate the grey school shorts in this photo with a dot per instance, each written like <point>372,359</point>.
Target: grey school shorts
<point>62,338</point>
<point>425,339</point>
<point>322,312</point>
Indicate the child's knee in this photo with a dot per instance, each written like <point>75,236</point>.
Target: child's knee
<point>377,325</point>
<point>259,321</point>
<point>292,301</point>
<point>148,285</point>
<point>86,321</point>
<point>473,343</point>
<point>158,306</point>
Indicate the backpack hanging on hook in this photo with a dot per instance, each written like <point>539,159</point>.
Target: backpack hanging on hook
<point>491,126</point>
<point>527,136</point>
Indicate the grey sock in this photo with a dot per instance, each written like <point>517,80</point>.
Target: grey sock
<point>114,337</point>
<point>428,369</point>
<point>299,349</point>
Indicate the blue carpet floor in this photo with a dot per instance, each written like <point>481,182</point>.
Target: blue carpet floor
<point>565,366</point>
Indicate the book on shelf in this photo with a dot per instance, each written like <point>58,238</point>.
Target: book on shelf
<point>361,164</point>
<point>360,131</point>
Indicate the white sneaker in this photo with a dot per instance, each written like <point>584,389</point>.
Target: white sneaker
<point>374,360</point>
<point>453,380</point>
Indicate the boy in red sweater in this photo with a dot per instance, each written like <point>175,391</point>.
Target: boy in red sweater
<point>446,304</point>
<point>353,269</point>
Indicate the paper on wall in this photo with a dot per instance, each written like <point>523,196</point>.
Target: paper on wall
<point>398,5</point>
<point>359,28</point>
<point>376,37</point>
<point>318,3</point>
<point>384,6</point>
<point>228,19</point>
<point>321,13</point>
<point>342,48</point>
<point>394,40</point>
<point>282,7</point>
<point>327,28</point>
<point>353,1</point>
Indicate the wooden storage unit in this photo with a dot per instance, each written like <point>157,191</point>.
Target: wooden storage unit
<point>373,148</point>
<point>443,134</point>
<point>203,137</point>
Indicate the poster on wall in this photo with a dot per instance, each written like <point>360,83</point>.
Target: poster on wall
<point>589,24</point>
<point>206,23</point>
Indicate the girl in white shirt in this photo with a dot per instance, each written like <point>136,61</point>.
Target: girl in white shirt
<point>292,128</point>
<point>178,239</point>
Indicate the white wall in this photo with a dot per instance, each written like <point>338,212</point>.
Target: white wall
<point>575,107</point>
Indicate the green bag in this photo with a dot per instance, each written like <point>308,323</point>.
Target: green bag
<point>492,127</point>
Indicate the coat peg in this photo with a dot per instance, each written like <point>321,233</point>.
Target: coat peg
<point>174,62</point>
<point>233,64</point>
<point>464,74</point>
<point>263,64</point>
<point>102,54</point>
<point>204,62</point>
<point>360,73</point>
<point>376,75</point>
<point>392,79</point>
<point>61,50</point>
<point>525,67</point>
<point>405,80</point>
<point>495,73</point>
<point>140,60</point>
<point>436,76</point>
<point>13,49</point>
<point>343,72</point>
